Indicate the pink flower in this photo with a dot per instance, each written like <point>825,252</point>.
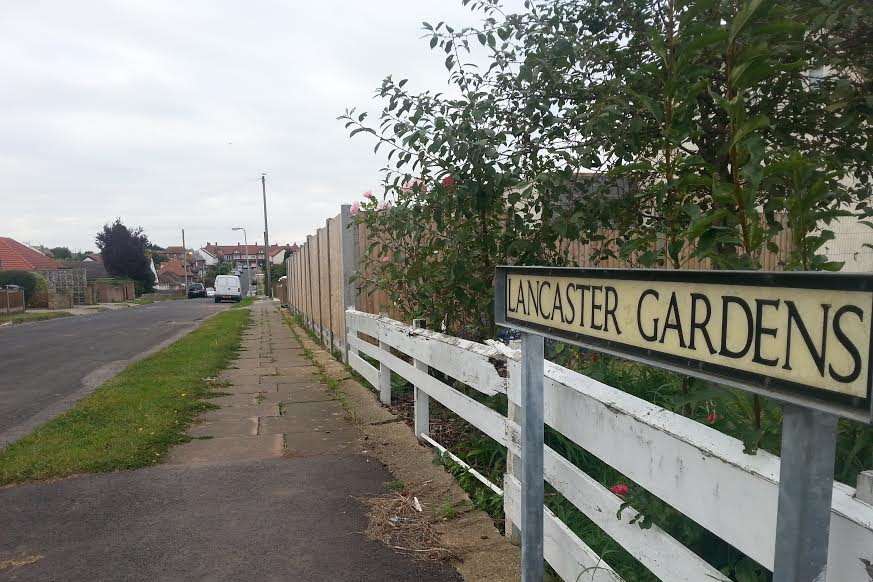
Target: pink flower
<point>620,489</point>
<point>369,195</point>
<point>712,417</point>
<point>356,207</point>
<point>448,182</point>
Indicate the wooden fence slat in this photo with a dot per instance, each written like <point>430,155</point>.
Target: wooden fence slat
<point>466,361</point>
<point>698,470</point>
<point>365,369</point>
<point>485,419</point>
<point>570,557</point>
<point>657,550</point>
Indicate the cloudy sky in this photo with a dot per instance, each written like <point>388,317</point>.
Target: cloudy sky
<point>165,113</point>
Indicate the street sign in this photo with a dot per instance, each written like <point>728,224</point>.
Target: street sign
<point>803,338</point>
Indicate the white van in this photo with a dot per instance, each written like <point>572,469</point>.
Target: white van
<point>227,287</point>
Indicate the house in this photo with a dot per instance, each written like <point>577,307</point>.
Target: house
<point>279,256</point>
<point>172,253</point>
<point>171,275</point>
<point>248,255</point>
<point>94,267</point>
<point>15,256</point>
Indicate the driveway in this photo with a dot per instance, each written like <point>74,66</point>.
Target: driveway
<point>46,366</point>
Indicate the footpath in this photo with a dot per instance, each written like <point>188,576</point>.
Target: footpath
<point>269,488</point>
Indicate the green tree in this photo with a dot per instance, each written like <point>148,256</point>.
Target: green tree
<point>29,282</point>
<point>61,253</point>
<point>124,254</point>
<point>223,268</point>
<point>699,128</point>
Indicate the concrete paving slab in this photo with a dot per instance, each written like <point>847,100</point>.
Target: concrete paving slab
<point>226,428</point>
<point>235,400</point>
<point>250,388</point>
<point>307,393</point>
<point>292,366</point>
<point>238,413</point>
<point>227,449</point>
<point>316,424</point>
<point>237,375</point>
<point>308,444</point>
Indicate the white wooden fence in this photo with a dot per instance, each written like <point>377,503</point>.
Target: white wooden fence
<point>698,470</point>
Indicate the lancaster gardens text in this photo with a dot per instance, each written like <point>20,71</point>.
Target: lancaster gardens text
<point>805,339</point>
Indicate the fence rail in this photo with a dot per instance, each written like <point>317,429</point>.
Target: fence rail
<point>696,469</point>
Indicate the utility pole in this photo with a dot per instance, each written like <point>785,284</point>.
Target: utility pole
<point>269,289</point>
<point>185,255</point>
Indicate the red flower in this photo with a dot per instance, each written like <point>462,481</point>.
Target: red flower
<point>712,417</point>
<point>620,489</point>
<point>448,182</point>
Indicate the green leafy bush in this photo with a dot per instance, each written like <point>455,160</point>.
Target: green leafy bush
<point>28,281</point>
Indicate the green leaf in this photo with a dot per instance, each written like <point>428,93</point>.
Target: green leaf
<point>741,20</point>
<point>748,127</point>
<point>832,265</point>
<point>707,39</point>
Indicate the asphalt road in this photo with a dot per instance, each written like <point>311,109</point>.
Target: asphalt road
<point>294,520</point>
<point>46,366</point>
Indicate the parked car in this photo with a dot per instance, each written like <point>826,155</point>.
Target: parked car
<point>227,287</point>
<point>196,290</point>
<point>210,291</point>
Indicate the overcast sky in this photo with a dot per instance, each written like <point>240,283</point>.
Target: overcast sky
<point>165,112</point>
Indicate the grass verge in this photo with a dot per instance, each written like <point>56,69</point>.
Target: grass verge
<point>27,316</point>
<point>132,420</point>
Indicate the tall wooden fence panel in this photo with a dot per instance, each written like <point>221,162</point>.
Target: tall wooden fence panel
<point>372,300</point>
<point>11,301</point>
<point>320,286</point>
<point>605,254</point>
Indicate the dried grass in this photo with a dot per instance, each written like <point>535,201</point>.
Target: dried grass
<point>395,521</point>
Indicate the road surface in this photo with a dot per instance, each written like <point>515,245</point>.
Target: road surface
<point>46,366</point>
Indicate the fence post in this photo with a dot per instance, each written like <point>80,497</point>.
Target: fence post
<point>329,331</point>
<point>513,461</point>
<point>349,258</point>
<point>422,400</point>
<point>384,377</point>
<point>532,435</point>
<point>864,488</point>
<point>806,484</point>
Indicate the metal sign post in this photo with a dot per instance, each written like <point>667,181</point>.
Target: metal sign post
<point>806,484</point>
<point>805,339</point>
<point>532,441</point>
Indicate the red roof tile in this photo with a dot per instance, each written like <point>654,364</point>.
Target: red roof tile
<point>253,249</point>
<point>174,267</point>
<point>16,256</point>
